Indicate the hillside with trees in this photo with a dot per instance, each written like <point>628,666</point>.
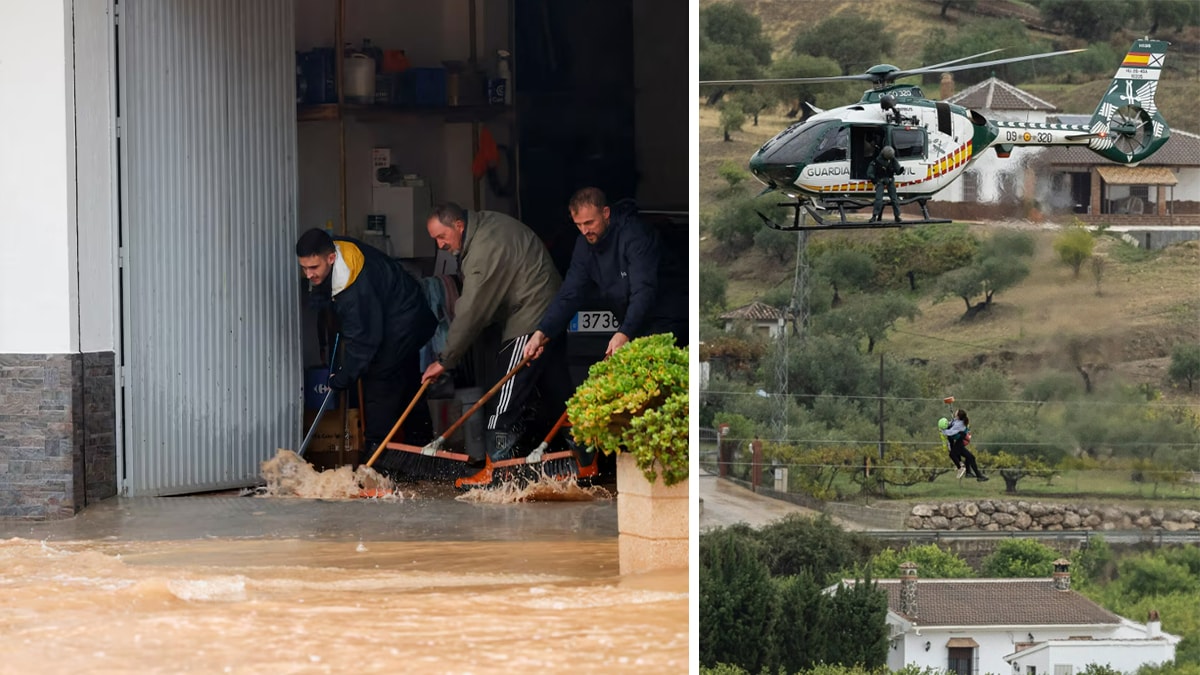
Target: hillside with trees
<point>1073,349</point>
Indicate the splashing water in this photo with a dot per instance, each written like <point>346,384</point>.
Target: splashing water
<point>288,475</point>
<point>541,487</point>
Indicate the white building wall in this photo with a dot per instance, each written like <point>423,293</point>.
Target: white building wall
<point>95,162</point>
<point>37,271</point>
<point>994,645</point>
<point>1122,656</point>
<point>1188,188</point>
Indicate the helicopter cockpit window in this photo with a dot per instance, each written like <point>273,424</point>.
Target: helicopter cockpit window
<point>799,146</point>
<point>834,146</point>
<point>909,143</point>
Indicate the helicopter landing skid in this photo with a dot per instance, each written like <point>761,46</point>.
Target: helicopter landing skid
<point>842,223</point>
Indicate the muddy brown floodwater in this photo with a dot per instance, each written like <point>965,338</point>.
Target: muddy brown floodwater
<point>421,581</point>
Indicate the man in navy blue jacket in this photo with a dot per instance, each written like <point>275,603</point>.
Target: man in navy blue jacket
<point>617,262</point>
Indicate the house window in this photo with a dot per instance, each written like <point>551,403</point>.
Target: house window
<point>1142,191</point>
<point>961,659</point>
<point>1062,670</point>
<point>1030,670</point>
<point>970,181</point>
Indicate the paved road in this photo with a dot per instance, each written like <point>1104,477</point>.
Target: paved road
<point>726,503</point>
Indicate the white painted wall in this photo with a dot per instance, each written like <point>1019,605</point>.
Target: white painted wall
<point>995,644</point>
<point>37,271</point>
<point>1188,188</point>
<point>95,163</point>
<point>1122,656</point>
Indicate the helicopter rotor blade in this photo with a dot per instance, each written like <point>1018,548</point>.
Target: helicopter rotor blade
<point>983,64</point>
<point>794,80</point>
<point>965,58</point>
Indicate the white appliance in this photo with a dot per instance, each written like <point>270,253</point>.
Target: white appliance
<point>407,210</point>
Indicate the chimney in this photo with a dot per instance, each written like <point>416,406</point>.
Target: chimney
<point>1062,575</point>
<point>908,588</point>
<point>947,86</point>
<point>1153,625</point>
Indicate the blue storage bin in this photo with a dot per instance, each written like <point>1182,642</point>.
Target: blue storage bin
<point>428,86</point>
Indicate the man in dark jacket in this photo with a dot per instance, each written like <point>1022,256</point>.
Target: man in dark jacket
<point>383,320</point>
<point>883,171</point>
<point>508,279</point>
<point>618,263</point>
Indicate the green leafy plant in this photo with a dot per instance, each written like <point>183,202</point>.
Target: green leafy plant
<point>636,401</point>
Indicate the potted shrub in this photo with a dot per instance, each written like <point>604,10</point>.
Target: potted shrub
<point>636,401</point>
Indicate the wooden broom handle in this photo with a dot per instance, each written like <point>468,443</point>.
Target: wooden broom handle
<point>490,393</point>
<point>411,404</point>
<point>562,420</point>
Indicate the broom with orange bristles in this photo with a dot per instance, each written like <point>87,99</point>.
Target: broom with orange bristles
<point>534,466</point>
<point>432,460</point>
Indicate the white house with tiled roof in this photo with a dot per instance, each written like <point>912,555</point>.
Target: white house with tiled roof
<point>757,317</point>
<point>1017,626</point>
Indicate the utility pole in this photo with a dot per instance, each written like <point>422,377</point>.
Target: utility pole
<point>797,314</point>
<point>881,407</point>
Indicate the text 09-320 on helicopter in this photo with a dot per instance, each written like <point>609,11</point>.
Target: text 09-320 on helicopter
<point>822,162</point>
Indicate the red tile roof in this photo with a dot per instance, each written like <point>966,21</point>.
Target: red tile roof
<point>755,311</point>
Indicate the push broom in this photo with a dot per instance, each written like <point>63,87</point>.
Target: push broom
<point>324,404</point>
<point>433,460</point>
<point>538,463</point>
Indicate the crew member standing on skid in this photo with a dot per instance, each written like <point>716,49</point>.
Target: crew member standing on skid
<point>883,171</point>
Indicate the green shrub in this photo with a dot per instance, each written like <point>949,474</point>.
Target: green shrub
<point>637,401</point>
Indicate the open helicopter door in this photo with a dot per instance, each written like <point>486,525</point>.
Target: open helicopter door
<point>865,143</point>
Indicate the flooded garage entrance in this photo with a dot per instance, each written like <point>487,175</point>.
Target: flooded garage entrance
<point>424,583</point>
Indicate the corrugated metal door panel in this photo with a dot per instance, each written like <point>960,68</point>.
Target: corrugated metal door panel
<point>208,220</point>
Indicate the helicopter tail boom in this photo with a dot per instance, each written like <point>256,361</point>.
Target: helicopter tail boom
<point>1126,126</point>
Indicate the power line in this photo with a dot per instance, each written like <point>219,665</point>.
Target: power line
<point>959,400</point>
<point>1043,444</point>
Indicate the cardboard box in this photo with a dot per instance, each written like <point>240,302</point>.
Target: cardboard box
<point>328,449</point>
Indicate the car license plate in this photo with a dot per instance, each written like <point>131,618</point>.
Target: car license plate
<point>594,322</point>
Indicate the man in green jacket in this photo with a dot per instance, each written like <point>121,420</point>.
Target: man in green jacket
<point>508,278</point>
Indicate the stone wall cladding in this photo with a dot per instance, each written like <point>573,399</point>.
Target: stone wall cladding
<point>1023,516</point>
<point>44,433</point>
<point>99,425</point>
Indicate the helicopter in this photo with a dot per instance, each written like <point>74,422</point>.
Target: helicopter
<point>822,162</point>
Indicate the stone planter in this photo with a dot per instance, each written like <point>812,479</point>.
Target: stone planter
<point>652,520</point>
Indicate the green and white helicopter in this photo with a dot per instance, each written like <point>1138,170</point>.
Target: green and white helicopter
<point>822,162</point>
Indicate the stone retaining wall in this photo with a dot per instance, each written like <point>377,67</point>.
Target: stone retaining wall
<point>1022,516</point>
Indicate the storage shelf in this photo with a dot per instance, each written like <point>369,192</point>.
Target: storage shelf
<point>378,113</point>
